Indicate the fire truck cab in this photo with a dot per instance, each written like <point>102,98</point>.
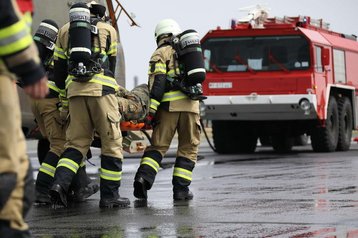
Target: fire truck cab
<point>284,79</point>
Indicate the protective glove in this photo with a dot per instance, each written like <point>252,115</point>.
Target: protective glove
<point>63,109</point>
<point>150,120</point>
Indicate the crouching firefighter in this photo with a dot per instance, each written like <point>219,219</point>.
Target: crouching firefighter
<point>84,65</point>
<point>172,109</point>
<point>52,125</point>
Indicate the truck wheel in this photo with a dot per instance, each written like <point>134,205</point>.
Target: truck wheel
<point>301,140</point>
<point>224,141</point>
<point>247,142</point>
<point>325,139</point>
<point>282,143</point>
<point>231,137</point>
<point>265,140</point>
<point>345,124</point>
<point>43,146</point>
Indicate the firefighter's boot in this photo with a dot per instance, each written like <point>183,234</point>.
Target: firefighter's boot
<point>183,194</point>
<point>140,188</point>
<point>45,179</point>
<point>66,169</point>
<point>145,176</point>
<point>182,176</point>
<point>82,186</point>
<point>110,177</point>
<point>58,196</point>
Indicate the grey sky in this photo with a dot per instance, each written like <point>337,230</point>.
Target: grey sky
<point>203,15</point>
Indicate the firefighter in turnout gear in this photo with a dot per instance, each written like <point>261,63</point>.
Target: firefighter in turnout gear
<point>84,65</point>
<point>18,60</point>
<point>52,126</point>
<point>171,111</point>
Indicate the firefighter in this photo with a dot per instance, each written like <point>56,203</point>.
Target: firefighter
<point>84,65</point>
<point>171,111</point>
<point>18,58</point>
<point>52,125</point>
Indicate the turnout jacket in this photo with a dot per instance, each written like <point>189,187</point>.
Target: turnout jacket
<point>162,93</point>
<point>18,53</point>
<point>100,84</point>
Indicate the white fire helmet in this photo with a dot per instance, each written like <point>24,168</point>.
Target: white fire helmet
<point>167,26</point>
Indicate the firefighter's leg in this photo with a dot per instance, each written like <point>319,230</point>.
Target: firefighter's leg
<point>36,110</point>
<point>78,139</point>
<point>189,139</point>
<point>48,116</point>
<point>82,187</point>
<point>105,116</point>
<point>162,136</point>
<point>16,183</point>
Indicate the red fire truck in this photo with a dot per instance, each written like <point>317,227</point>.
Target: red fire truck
<point>282,79</point>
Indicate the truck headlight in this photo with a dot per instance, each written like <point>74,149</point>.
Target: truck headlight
<point>305,104</point>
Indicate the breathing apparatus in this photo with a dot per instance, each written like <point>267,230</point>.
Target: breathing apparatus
<point>45,39</point>
<point>189,60</point>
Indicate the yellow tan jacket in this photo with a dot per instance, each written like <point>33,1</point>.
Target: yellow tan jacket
<point>173,100</point>
<point>100,84</point>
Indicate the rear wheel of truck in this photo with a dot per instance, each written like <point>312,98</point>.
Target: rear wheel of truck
<point>43,146</point>
<point>230,137</point>
<point>265,140</point>
<point>345,124</point>
<point>300,140</point>
<point>325,139</point>
<point>282,143</point>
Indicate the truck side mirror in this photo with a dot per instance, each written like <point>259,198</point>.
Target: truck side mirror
<point>325,57</point>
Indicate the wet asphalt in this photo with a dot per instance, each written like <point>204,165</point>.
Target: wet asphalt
<point>301,194</point>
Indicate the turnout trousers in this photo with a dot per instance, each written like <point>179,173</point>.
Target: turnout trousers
<point>187,125</point>
<point>53,128</point>
<point>89,114</point>
<point>13,160</point>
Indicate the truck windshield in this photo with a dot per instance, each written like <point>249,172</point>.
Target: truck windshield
<point>259,53</point>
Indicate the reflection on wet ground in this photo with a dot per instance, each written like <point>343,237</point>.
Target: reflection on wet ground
<point>303,194</point>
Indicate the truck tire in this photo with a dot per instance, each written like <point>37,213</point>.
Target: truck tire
<point>43,146</point>
<point>345,124</point>
<point>282,143</point>
<point>265,140</point>
<point>247,142</point>
<point>300,140</point>
<point>223,141</point>
<point>230,138</point>
<point>325,139</point>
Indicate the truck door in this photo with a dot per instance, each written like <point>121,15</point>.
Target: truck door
<point>320,80</point>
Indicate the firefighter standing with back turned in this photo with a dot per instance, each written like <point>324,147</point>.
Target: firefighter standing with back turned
<point>18,57</point>
<point>172,110</point>
<point>52,126</point>
<point>86,51</point>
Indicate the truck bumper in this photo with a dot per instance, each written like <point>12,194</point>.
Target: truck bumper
<point>261,107</point>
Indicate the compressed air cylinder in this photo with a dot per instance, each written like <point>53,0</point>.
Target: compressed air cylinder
<point>80,34</point>
<point>191,57</point>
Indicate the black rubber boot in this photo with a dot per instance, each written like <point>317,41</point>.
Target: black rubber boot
<point>140,188</point>
<point>83,193</point>
<point>110,197</point>
<point>82,187</point>
<point>58,196</point>
<point>111,203</point>
<point>42,199</point>
<point>180,195</point>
